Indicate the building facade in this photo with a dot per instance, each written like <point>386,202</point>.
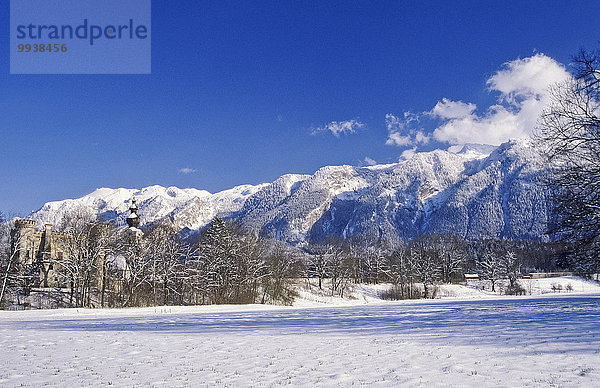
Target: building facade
<point>43,249</point>
<point>55,255</point>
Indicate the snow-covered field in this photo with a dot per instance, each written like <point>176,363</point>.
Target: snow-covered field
<point>544,340</point>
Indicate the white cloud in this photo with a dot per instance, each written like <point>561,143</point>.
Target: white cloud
<point>420,137</point>
<point>523,87</point>
<point>401,132</point>
<point>448,109</point>
<point>187,170</point>
<point>495,127</point>
<point>369,162</point>
<point>394,138</point>
<point>338,128</point>
<point>527,78</point>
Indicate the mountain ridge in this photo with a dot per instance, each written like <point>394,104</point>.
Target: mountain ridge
<point>478,192</point>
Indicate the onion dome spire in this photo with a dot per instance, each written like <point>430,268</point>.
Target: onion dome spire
<point>133,220</point>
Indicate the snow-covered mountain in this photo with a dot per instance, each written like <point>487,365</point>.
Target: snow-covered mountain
<point>188,208</point>
<point>478,192</point>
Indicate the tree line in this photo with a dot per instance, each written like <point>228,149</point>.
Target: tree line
<point>103,265</point>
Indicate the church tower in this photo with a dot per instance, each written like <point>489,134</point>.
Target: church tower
<point>133,220</point>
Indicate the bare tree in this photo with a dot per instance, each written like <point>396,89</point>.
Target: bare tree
<point>85,247</point>
<point>340,268</point>
<point>133,259</point>
<point>373,264</point>
<point>282,265</point>
<point>424,263</point>
<point>166,253</point>
<point>490,267</point>
<point>9,255</point>
<point>251,266</point>
<point>569,135</point>
<point>511,266</point>
<point>317,263</point>
<point>107,243</point>
<point>401,273</point>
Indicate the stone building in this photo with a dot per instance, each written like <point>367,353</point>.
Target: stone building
<point>49,250</point>
<point>42,248</point>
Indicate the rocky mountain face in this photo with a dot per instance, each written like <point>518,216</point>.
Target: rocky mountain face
<point>479,192</point>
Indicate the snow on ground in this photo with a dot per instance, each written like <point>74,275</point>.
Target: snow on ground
<point>549,340</point>
<point>371,293</point>
<point>556,285</point>
<point>568,284</point>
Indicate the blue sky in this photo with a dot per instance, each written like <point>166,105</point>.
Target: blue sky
<point>243,93</point>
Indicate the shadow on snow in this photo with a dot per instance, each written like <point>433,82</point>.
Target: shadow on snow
<point>511,322</point>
